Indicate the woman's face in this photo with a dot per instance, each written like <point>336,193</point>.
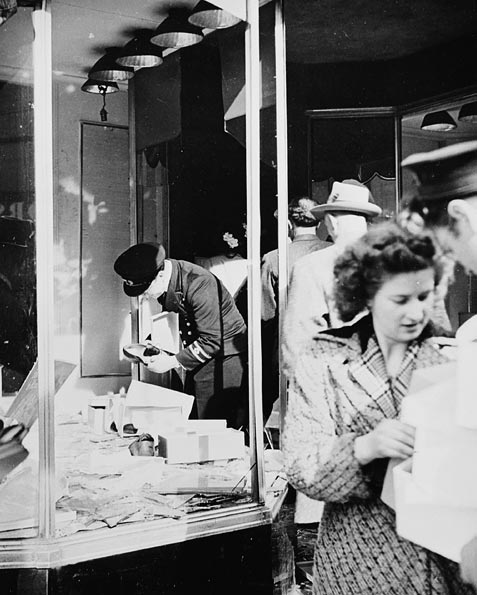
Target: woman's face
<point>403,305</point>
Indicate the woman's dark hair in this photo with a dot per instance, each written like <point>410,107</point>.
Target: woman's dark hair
<point>299,211</point>
<point>385,250</point>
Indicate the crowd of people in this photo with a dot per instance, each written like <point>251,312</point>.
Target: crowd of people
<point>362,313</point>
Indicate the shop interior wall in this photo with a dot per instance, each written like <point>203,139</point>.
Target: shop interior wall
<point>71,107</point>
<point>444,69</point>
<point>190,111</point>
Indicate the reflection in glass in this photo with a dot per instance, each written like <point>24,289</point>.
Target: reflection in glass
<point>18,317</point>
<point>18,344</point>
<point>357,148</point>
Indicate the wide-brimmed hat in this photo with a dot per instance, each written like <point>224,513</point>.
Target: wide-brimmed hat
<point>348,196</point>
<point>446,173</point>
<point>139,265</point>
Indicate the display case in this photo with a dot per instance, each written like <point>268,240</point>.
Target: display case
<point>80,185</point>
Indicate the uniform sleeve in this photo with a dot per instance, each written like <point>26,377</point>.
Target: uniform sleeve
<point>205,301</point>
<point>318,461</point>
<point>305,313</point>
<point>269,290</point>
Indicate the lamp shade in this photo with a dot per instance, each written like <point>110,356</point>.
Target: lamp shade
<point>209,16</point>
<point>468,112</point>
<point>106,69</point>
<point>7,9</point>
<point>140,53</point>
<point>440,121</point>
<point>99,87</point>
<point>176,31</point>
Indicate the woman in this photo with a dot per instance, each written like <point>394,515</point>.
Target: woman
<point>342,422</point>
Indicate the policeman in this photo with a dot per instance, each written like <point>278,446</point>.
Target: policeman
<point>213,332</point>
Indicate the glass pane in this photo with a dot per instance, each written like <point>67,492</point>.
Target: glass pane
<point>18,324</point>
<point>360,148</point>
<point>191,160</point>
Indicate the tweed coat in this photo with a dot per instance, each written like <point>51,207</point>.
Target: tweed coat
<point>297,249</point>
<point>340,390</point>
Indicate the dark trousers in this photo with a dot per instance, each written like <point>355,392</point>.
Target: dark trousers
<point>220,390</point>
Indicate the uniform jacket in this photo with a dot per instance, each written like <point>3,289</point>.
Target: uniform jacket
<point>301,245</point>
<point>209,322</point>
<point>339,391</point>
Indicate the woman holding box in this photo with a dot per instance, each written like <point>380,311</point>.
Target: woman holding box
<point>342,422</point>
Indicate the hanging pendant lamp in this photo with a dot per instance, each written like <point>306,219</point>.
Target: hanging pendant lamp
<point>209,16</point>
<point>7,9</point>
<point>440,121</point>
<point>468,112</point>
<point>140,53</point>
<point>100,88</point>
<point>107,69</point>
<point>176,31</point>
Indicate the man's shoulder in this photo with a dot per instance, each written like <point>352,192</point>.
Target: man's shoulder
<point>318,256</point>
<point>270,256</point>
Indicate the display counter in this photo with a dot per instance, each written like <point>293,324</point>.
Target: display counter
<point>109,502</point>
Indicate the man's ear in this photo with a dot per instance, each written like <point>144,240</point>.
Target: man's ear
<point>462,211</point>
<point>331,224</point>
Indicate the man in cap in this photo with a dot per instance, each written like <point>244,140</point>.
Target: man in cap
<point>310,298</point>
<point>213,332</point>
<point>445,202</point>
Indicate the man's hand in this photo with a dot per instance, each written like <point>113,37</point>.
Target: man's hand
<point>468,563</point>
<point>161,363</point>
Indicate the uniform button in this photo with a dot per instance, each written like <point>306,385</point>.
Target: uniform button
<point>189,332</point>
<point>188,323</point>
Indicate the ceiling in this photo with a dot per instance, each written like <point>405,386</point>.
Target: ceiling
<point>329,31</point>
<point>318,31</point>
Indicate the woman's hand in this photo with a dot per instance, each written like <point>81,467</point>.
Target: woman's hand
<point>468,563</point>
<point>390,438</point>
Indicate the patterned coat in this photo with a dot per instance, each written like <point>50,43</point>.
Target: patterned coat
<point>340,390</point>
<point>297,249</point>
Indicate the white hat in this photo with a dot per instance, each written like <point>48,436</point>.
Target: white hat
<point>349,196</point>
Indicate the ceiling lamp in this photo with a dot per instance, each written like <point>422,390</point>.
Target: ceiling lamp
<point>140,53</point>
<point>440,121</point>
<point>7,9</point>
<point>468,112</point>
<point>176,32</point>
<point>101,88</point>
<point>209,16</point>
<point>107,69</point>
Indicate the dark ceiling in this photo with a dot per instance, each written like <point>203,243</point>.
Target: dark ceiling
<point>332,31</point>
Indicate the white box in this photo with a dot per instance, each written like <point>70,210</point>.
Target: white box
<point>195,445</point>
<point>150,408</point>
<point>441,529</point>
<point>98,410</point>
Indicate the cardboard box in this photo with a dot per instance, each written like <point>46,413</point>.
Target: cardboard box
<point>444,452</point>
<point>150,408</point>
<point>441,529</point>
<point>193,444</point>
